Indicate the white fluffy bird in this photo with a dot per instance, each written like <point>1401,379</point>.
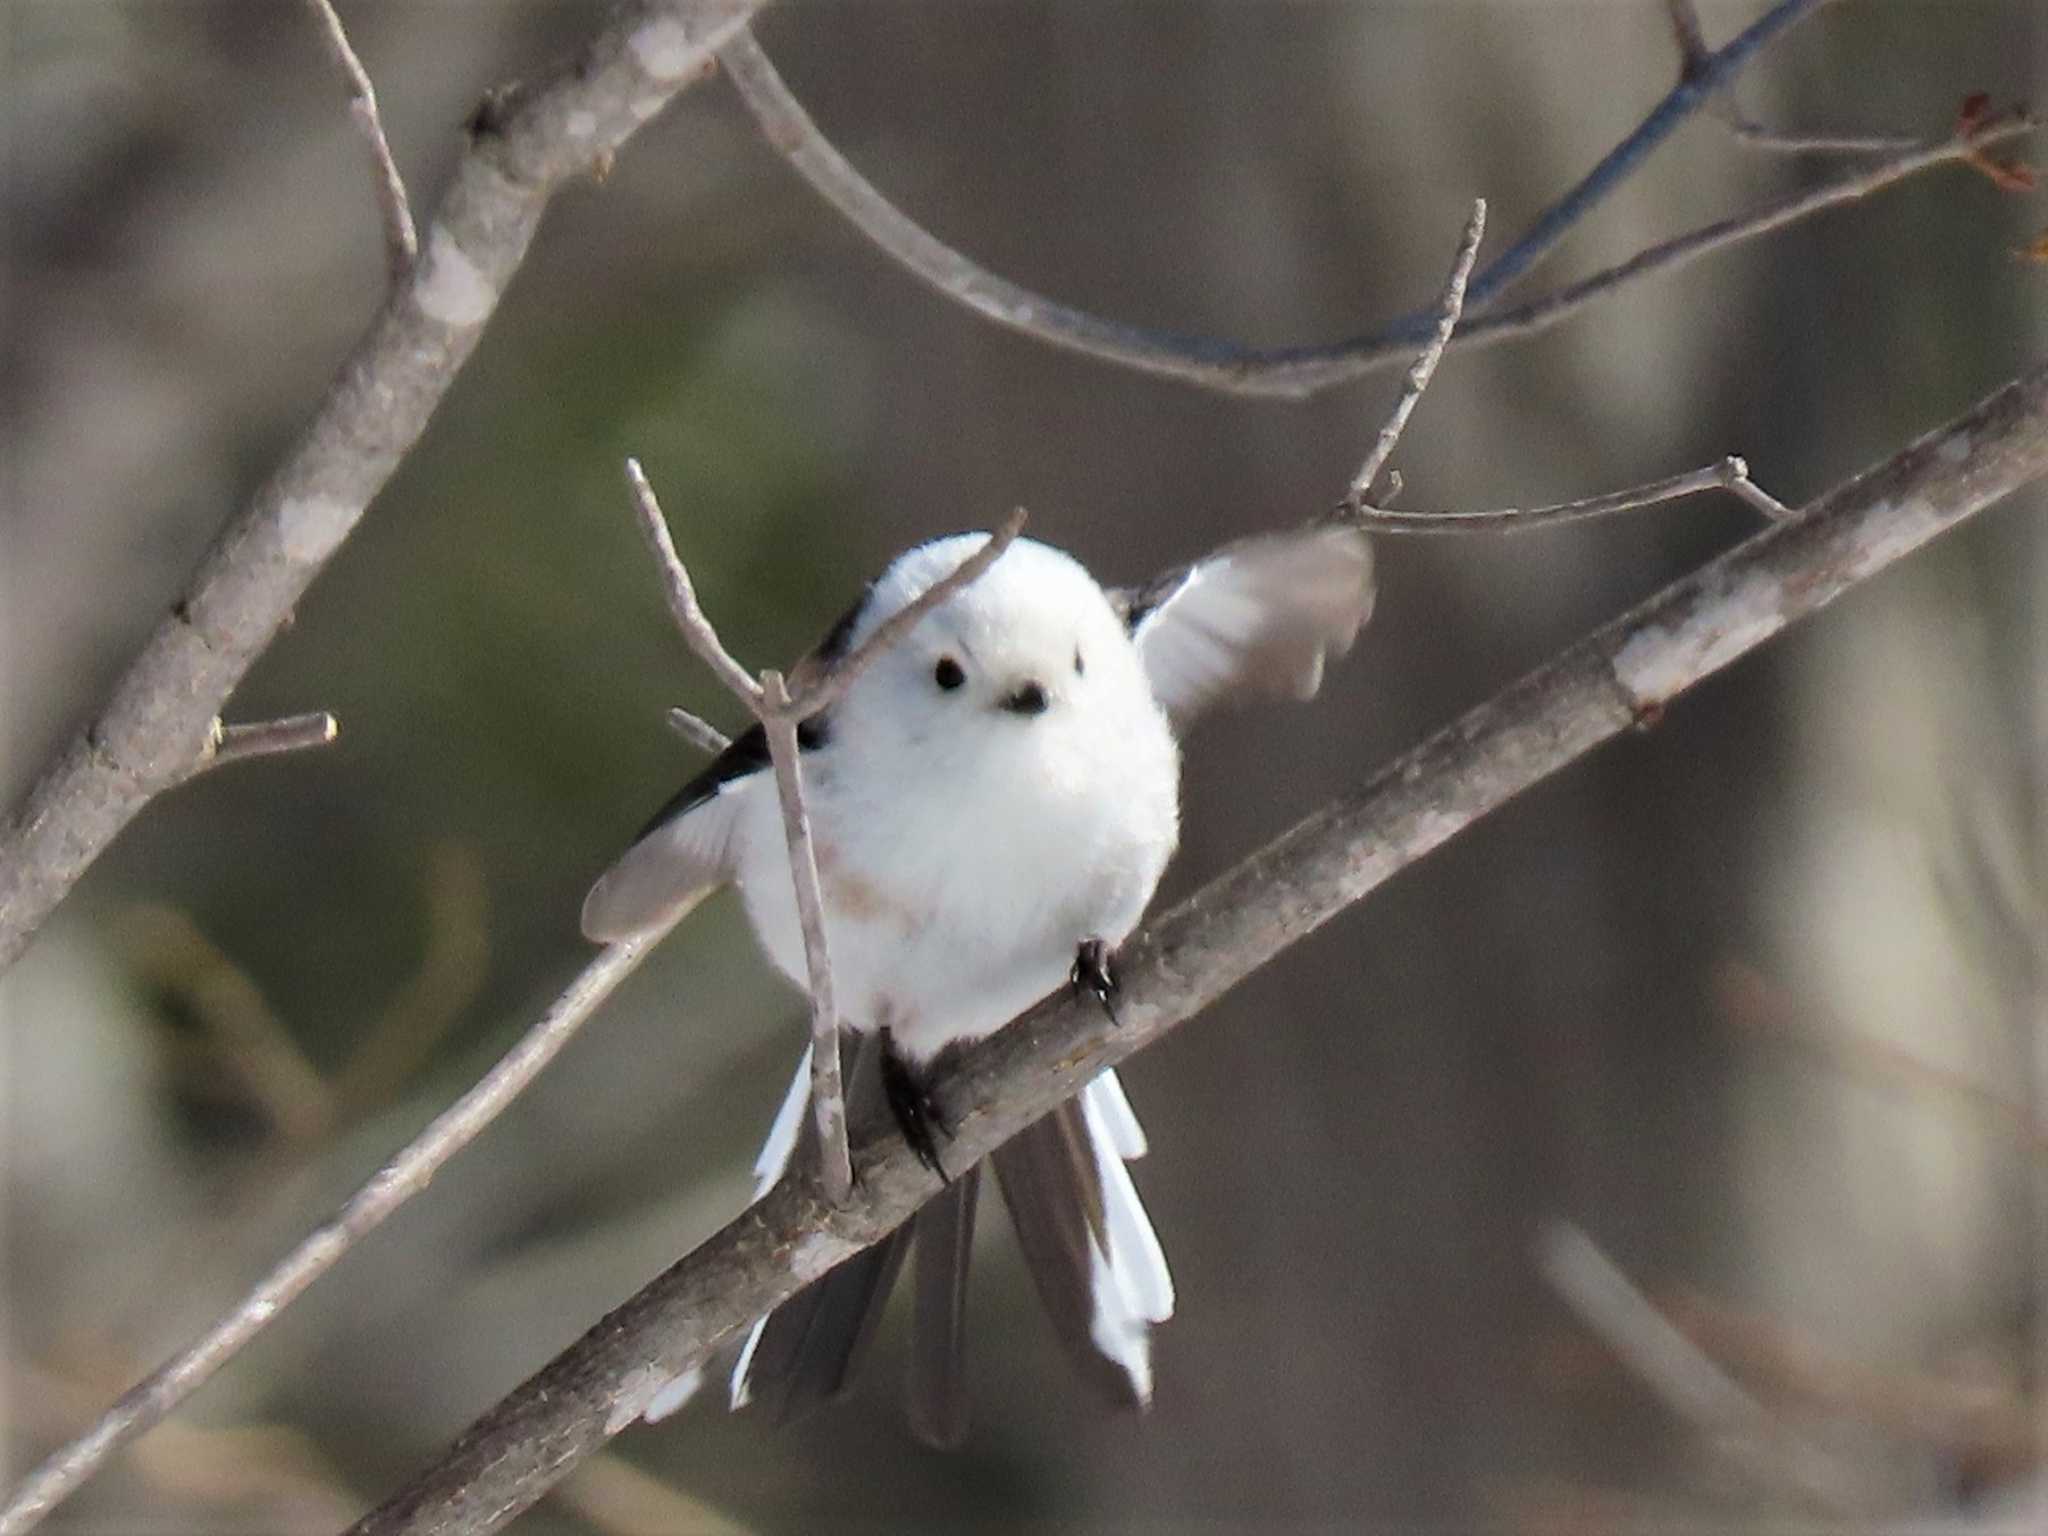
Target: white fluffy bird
<point>992,802</point>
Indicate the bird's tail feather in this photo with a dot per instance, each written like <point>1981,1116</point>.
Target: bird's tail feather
<point>938,1330</point>
<point>1085,1236</point>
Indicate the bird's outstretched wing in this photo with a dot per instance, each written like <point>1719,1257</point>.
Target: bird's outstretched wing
<point>1257,616</point>
<point>685,853</point>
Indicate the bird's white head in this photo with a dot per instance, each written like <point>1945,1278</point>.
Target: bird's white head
<point>1031,648</point>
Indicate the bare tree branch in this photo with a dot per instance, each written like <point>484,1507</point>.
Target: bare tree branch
<point>154,725</point>
<point>1297,372</point>
<point>1615,679</point>
<point>1681,1373</point>
<point>401,245</point>
<point>405,1175</point>
<point>1730,474</point>
<point>820,681</point>
<point>1449,308</point>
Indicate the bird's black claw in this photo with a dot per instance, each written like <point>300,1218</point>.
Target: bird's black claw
<point>1092,974</point>
<point>916,1111</point>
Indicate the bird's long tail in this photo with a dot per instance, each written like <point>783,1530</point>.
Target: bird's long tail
<point>1083,1231</point>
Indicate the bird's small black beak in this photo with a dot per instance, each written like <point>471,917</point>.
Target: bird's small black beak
<point>1028,700</point>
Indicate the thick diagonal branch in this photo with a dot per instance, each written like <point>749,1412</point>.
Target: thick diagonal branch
<point>155,724</point>
<point>1619,677</point>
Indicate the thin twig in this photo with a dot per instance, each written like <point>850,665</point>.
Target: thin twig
<point>1449,308</point>
<point>401,245</point>
<point>682,594</point>
<point>828,1093</point>
<point>1693,53</point>
<point>404,1176</point>
<point>1730,474</point>
<point>265,738</point>
<point>699,732</point>
<point>154,722</point>
<point>1595,690</point>
<point>821,686</point>
<point>1213,363</point>
<point>1679,1371</point>
<point>1779,142</point>
<point>1540,314</point>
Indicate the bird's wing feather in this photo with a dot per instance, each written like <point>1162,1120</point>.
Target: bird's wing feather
<point>684,853</point>
<point>1258,616</point>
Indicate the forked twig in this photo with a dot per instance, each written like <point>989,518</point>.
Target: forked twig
<point>1693,56</point>
<point>1730,474</point>
<point>781,709</point>
<point>401,243</point>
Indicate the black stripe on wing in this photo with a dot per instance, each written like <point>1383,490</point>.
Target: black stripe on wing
<point>748,752</point>
<point>1134,605</point>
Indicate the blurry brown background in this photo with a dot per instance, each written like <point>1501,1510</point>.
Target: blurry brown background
<point>1753,997</point>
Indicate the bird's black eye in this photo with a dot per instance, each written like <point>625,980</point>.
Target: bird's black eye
<point>947,674</point>
<point>1080,669</point>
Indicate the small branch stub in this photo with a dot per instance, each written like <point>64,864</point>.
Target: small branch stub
<point>697,731</point>
<point>264,738</point>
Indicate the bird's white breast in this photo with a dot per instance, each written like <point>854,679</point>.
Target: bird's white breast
<point>962,870</point>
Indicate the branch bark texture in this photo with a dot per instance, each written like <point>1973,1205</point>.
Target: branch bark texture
<point>155,725</point>
<point>1619,677</point>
